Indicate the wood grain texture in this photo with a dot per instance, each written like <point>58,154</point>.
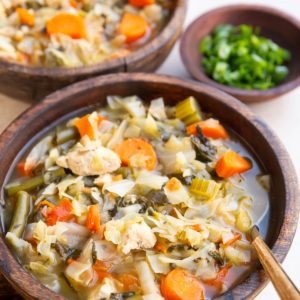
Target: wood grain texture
<point>89,94</point>
<point>34,83</point>
<point>274,24</point>
<point>282,283</point>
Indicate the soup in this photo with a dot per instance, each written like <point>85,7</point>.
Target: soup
<point>74,33</point>
<point>135,201</point>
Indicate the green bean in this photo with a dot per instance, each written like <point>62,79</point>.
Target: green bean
<point>34,182</point>
<point>65,135</point>
<point>21,212</point>
<point>27,185</point>
<point>51,176</point>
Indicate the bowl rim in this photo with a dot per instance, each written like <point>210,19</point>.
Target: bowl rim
<point>237,92</point>
<point>15,273</point>
<point>162,38</point>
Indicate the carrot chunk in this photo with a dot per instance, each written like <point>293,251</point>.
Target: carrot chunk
<point>173,184</point>
<point>181,285</point>
<point>101,266</point>
<point>102,275</point>
<point>235,238</point>
<point>219,279</point>
<point>61,212</point>
<point>25,16</point>
<point>85,126</point>
<point>232,163</point>
<point>210,128</point>
<point>133,27</point>
<point>130,282</point>
<point>131,147</point>
<point>73,3</point>
<point>197,227</point>
<point>141,3</point>
<point>23,170</point>
<point>68,24</point>
<point>45,203</point>
<point>93,219</point>
<point>161,247</point>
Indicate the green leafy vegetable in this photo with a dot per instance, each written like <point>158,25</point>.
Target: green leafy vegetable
<point>239,56</point>
<point>205,151</point>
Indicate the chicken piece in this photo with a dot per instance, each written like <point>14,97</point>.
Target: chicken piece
<point>90,160</point>
<point>130,235</point>
<point>137,236</point>
<point>104,290</point>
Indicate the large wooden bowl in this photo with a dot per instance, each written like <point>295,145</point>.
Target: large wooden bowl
<point>274,24</point>
<point>86,95</point>
<point>34,83</point>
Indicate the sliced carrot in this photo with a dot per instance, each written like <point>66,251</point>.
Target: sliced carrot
<point>174,213</point>
<point>70,260</point>
<point>61,212</point>
<point>23,170</point>
<point>85,126</point>
<point>23,58</point>
<point>133,27</point>
<point>219,279</point>
<point>210,128</point>
<point>173,184</point>
<point>179,284</point>
<point>25,16</point>
<point>130,147</point>
<point>141,3</point>
<point>101,266</point>
<point>93,218</point>
<point>45,203</point>
<point>232,163</point>
<point>236,237</point>
<point>130,282</point>
<point>100,119</point>
<point>68,24</point>
<point>161,247</point>
<point>73,3</point>
<point>102,275</point>
<point>197,227</point>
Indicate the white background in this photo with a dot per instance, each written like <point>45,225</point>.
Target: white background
<point>281,114</point>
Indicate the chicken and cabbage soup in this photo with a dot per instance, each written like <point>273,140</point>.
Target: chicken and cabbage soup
<point>136,202</point>
<point>73,33</point>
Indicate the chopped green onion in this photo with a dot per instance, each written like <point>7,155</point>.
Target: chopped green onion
<point>239,56</point>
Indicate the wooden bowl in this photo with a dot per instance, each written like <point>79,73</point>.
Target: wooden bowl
<point>274,24</point>
<point>89,94</point>
<point>34,83</point>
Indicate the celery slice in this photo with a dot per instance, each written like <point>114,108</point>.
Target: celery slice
<point>188,111</point>
<point>204,188</point>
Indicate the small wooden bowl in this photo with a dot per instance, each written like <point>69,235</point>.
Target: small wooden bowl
<point>274,24</point>
<point>34,83</point>
<point>89,94</point>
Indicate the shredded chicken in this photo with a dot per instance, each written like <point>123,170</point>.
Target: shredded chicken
<point>131,236</point>
<point>90,160</point>
<point>104,290</point>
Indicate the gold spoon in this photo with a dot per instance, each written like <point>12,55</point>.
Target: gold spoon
<point>284,286</point>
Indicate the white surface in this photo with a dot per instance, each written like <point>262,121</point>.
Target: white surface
<point>281,114</point>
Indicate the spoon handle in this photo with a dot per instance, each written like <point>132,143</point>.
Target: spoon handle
<point>284,286</point>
